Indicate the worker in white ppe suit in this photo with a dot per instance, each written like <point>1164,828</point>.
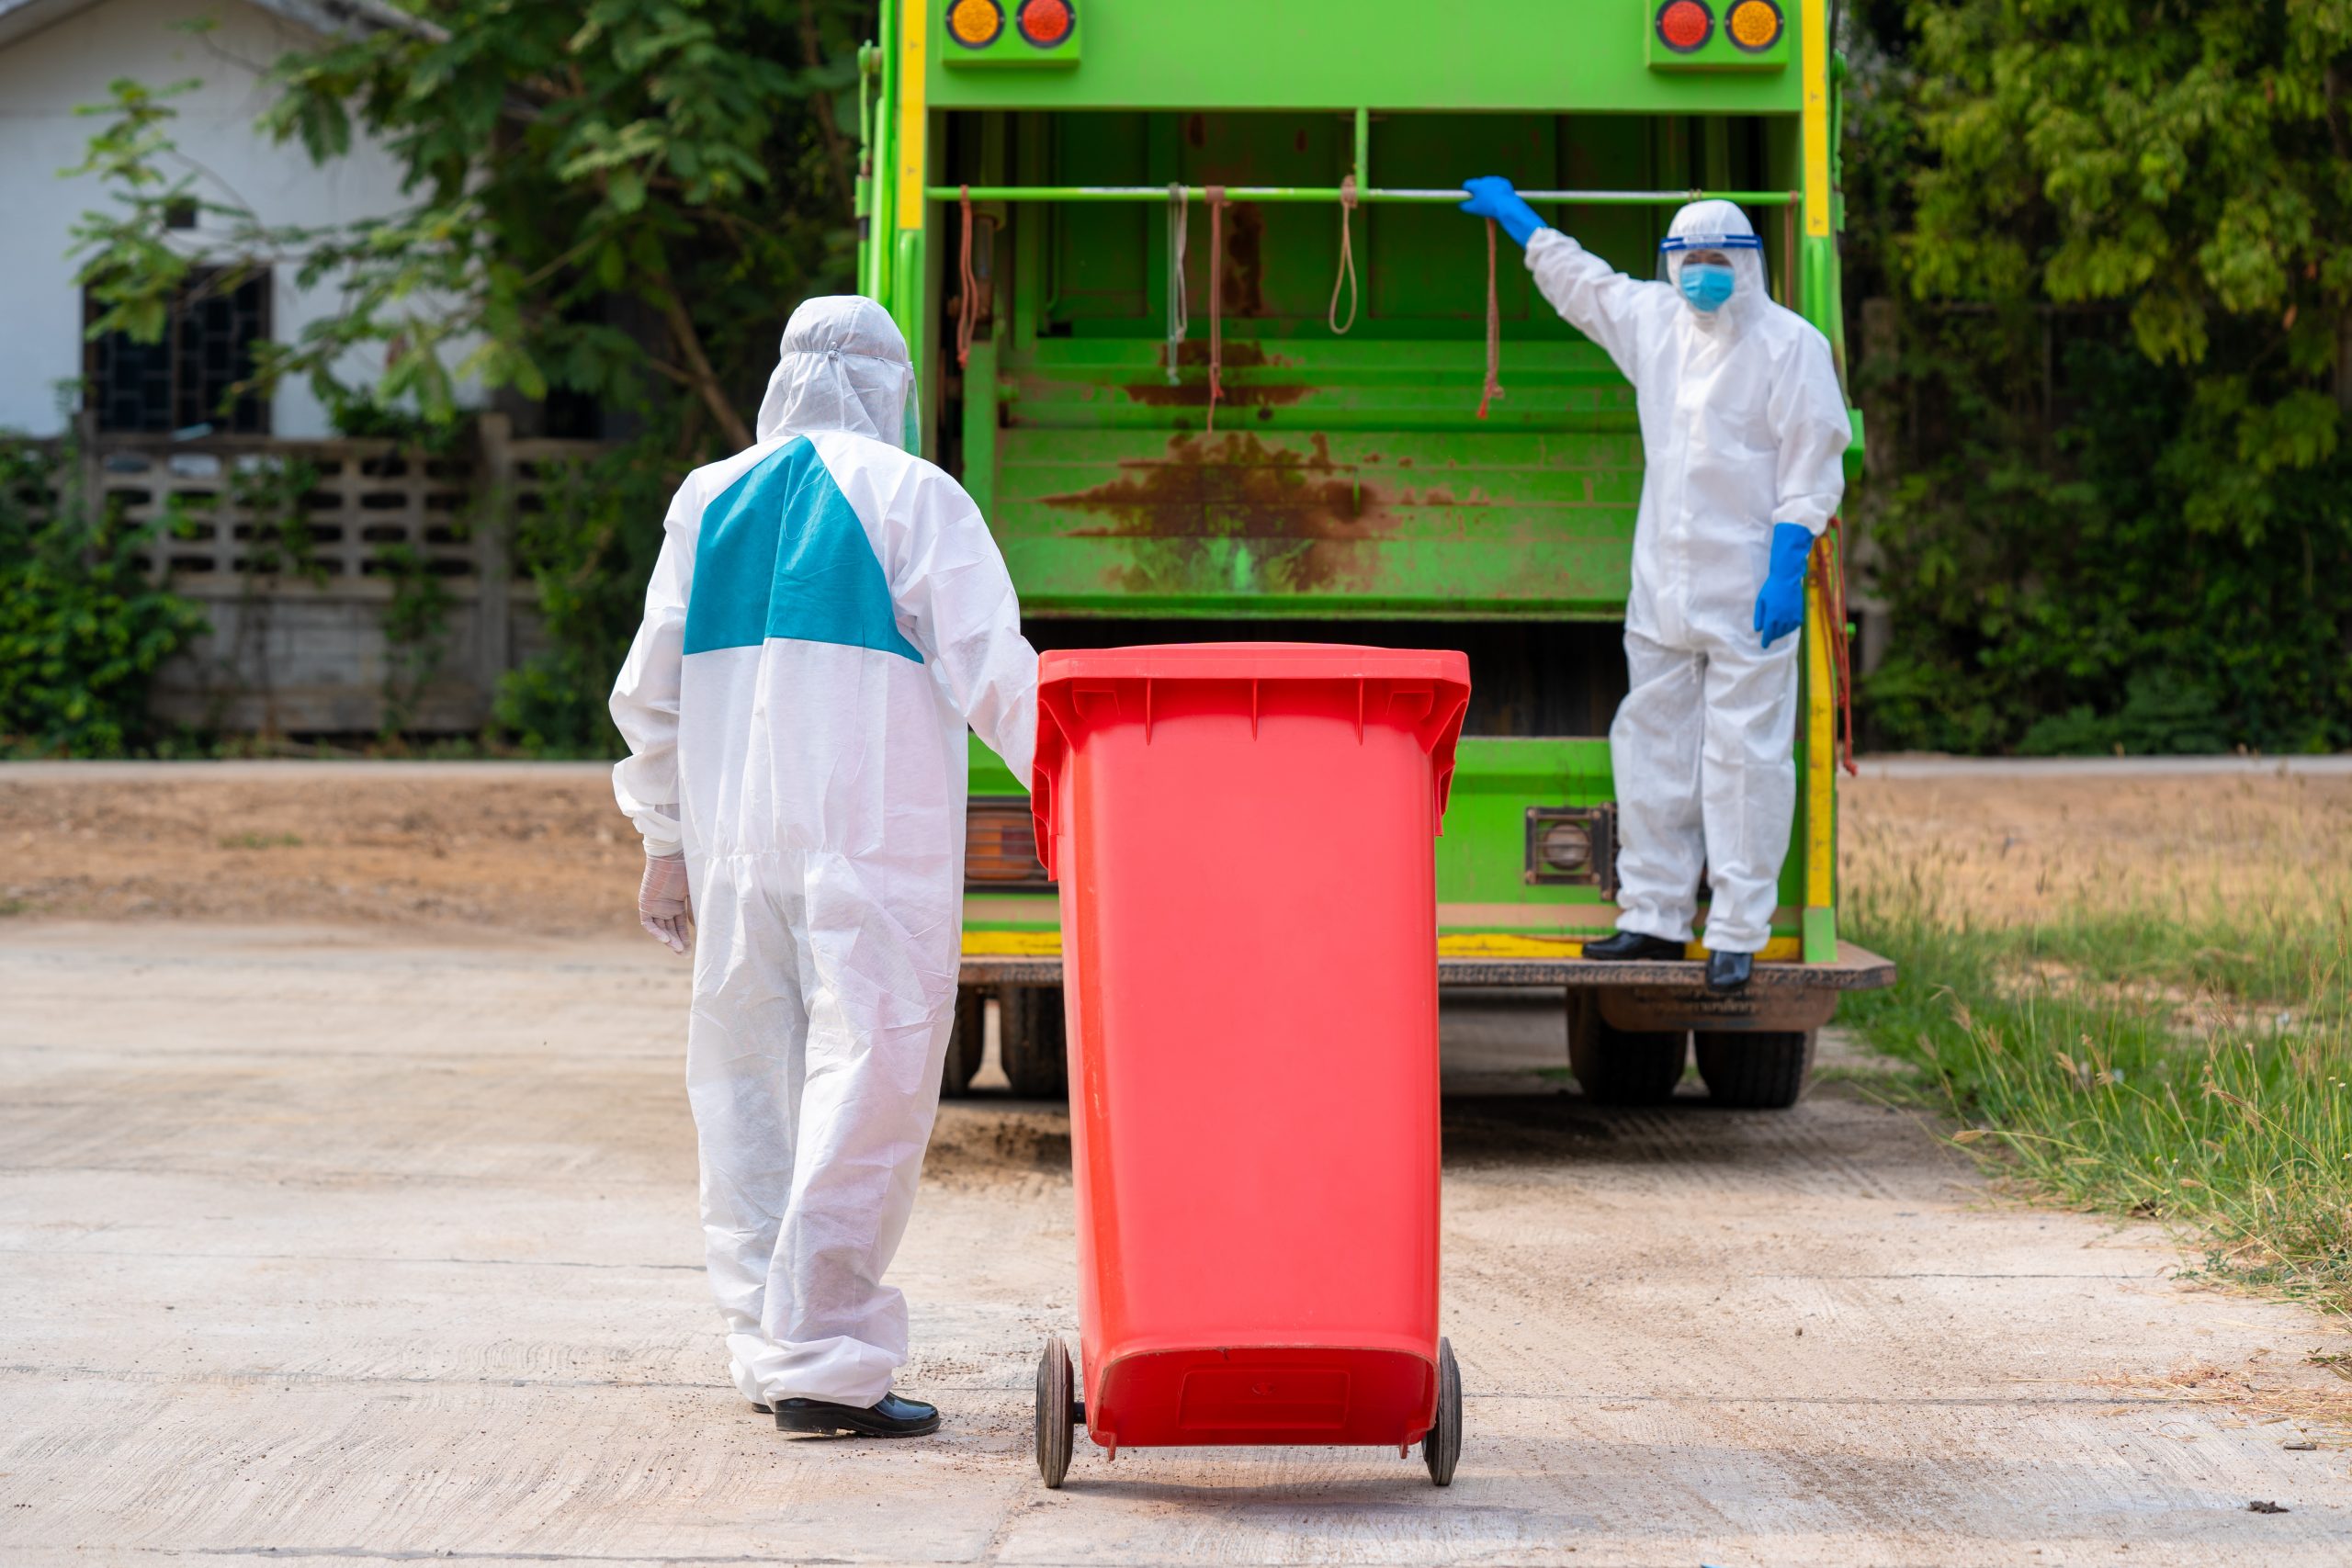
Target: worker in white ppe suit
<point>1744,431</point>
<point>828,614</point>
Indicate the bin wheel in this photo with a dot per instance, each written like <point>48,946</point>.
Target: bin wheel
<point>1621,1066</point>
<point>1033,1040</point>
<point>1056,1412</point>
<point>964,1042</point>
<point>1441,1445</point>
<point>1759,1070</point>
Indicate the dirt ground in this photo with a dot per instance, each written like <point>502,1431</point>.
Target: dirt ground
<point>541,848</point>
<point>332,1244</point>
<point>518,849</point>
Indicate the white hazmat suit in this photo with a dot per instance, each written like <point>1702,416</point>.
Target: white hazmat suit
<point>827,616</point>
<point>1743,426</point>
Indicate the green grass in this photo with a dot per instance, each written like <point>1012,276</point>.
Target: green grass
<point>2144,1063</point>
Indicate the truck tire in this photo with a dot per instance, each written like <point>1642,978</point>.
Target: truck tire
<point>1763,1070</point>
<point>1032,1041</point>
<point>964,1042</point>
<point>1620,1066</point>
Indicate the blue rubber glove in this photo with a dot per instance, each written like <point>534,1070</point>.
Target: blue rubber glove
<point>1779,606</point>
<point>1491,195</point>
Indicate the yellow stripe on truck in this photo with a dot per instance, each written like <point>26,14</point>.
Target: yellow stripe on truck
<point>1012,944</point>
<point>1816,119</point>
<point>1510,945</point>
<point>1820,750</point>
<point>914,114</point>
<point>1472,945</point>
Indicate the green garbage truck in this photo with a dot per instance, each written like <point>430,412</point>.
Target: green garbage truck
<point>1196,325</point>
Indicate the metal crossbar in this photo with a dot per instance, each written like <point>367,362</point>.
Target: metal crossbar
<point>1332,193</point>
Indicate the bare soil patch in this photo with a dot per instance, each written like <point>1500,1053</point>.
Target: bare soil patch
<point>547,855</point>
<point>551,854</point>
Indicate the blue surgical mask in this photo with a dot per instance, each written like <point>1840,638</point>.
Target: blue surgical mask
<point>1706,285</point>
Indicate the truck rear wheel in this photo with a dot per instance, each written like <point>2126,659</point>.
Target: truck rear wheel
<point>1621,1066</point>
<point>1033,1040</point>
<point>1761,1070</point>
<point>964,1042</point>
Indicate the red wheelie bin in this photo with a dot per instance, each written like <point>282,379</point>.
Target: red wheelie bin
<point>1241,836</point>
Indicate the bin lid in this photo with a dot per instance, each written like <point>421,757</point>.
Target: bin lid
<point>1256,662</point>
<point>1445,671</point>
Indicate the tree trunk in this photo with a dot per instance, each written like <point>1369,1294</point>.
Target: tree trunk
<point>705,379</point>
<point>838,158</point>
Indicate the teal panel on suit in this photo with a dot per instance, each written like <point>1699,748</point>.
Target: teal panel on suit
<point>783,555</point>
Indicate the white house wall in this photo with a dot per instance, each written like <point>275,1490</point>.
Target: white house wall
<point>46,75</point>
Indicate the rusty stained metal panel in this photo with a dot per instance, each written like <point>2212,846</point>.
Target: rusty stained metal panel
<point>1245,259</point>
<point>1244,523</point>
<point>1243,390</point>
<point>1407,386</point>
<point>1273,517</point>
<point>1344,477</point>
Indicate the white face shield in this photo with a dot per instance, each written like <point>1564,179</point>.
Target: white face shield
<point>1720,245</point>
<point>843,367</point>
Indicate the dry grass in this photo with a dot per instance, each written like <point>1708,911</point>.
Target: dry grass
<point>2014,853</point>
<point>2298,1409</point>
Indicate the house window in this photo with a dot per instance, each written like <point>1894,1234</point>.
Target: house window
<point>179,382</point>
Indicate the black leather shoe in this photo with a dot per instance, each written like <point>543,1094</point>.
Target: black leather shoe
<point>888,1418</point>
<point>1729,971</point>
<point>1633,945</point>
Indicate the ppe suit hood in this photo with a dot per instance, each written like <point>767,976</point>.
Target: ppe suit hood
<point>843,367</point>
<point>1721,221</point>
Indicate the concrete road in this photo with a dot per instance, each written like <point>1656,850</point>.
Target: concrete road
<point>344,1248</point>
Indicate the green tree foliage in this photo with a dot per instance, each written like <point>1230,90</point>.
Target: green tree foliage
<point>588,552</point>
<point>618,203</point>
<point>2121,499</point>
<point>678,155</point>
<point>83,627</point>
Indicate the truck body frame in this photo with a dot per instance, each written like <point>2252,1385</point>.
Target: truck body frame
<point>1344,486</point>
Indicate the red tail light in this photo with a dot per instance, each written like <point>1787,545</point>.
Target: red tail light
<point>1045,23</point>
<point>1684,25</point>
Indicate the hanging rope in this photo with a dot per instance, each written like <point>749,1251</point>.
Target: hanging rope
<point>1217,300</point>
<point>1179,318</point>
<point>1494,386</point>
<point>1829,569</point>
<point>967,309</point>
<point>1347,277</point>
